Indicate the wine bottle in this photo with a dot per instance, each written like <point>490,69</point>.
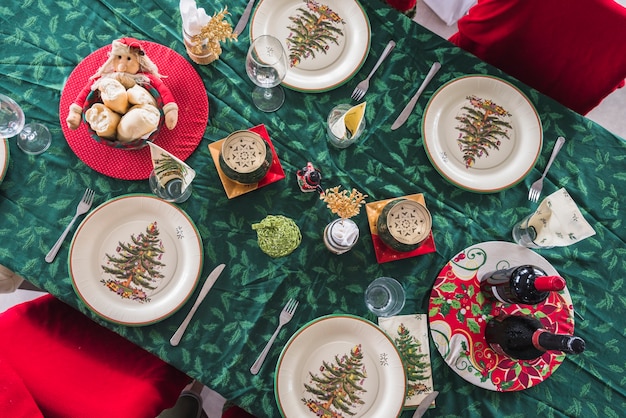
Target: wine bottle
<point>525,284</point>
<point>524,337</point>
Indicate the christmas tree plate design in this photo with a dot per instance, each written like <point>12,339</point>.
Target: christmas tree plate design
<point>481,133</point>
<point>135,259</point>
<point>458,313</point>
<point>327,40</point>
<point>340,366</point>
<point>4,158</point>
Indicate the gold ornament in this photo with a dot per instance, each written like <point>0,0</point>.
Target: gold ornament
<point>216,31</point>
<point>343,204</point>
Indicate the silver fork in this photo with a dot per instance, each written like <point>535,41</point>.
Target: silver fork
<point>361,88</point>
<point>537,186</point>
<point>81,209</point>
<point>285,316</point>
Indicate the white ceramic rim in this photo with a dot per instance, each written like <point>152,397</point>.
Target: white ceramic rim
<point>322,339</point>
<point>271,17</point>
<point>114,221</point>
<point>505,167</point>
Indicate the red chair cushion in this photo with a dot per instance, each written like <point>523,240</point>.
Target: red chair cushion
<point>571,50</point>
<point>236,412</point>
<point>15,399</point>
<point>74,367</point>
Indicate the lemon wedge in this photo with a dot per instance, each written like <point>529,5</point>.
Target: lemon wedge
<point>346,126</point>
<point>353,117</point>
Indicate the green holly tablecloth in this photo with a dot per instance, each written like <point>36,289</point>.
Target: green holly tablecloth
<point>41,44</point>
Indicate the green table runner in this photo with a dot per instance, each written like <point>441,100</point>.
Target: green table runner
<point>43,41</point>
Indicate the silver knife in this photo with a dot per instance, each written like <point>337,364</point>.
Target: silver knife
<point>425,404</point>
<point>210,280</point>
<point>243,20</point>
<point>406,112</point>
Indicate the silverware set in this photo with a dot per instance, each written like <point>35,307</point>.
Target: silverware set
<point>363,86</point>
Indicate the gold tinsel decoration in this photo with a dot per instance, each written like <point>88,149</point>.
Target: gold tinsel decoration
<point>216,31</point>
<point>343,204</point>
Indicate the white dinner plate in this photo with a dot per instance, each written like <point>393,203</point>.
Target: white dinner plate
<point>354,343</point>
<point>342,55</point>
<point>483,111</point>
<point>129,237</point>
<point>4,158</point>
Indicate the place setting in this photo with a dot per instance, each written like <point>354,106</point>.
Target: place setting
<point>322,60</point>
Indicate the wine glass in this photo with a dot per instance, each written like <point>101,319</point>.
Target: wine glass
<point>34,138</point>
<point>266,65</point>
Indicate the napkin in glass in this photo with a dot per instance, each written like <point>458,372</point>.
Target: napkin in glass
<point>346,126</point>
<point>410,335</point>
<point>194,18</point>
<point>168,167</point>
<point>558,222</point>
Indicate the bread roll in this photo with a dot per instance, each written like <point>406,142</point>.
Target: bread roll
<point>113,95</point>
<point>139,95</point>
<point>139,122</point>
<point>102,120</point>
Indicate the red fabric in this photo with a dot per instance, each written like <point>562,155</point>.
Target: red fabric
<point>73,367</point>
<point>184,84</point>
<point>15,400</point>
<point>571,50</point>
<point>236,412</point>
<point>402,5</point>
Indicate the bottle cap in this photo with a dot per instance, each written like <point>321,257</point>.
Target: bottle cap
<point>549,283</point>
<point>576,345</point>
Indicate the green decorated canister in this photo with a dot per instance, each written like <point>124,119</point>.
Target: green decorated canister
<point>245,157</point>
<point>404,224</point>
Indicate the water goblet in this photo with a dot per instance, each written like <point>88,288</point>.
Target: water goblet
<point>266,65</point>
<point>33,138</point>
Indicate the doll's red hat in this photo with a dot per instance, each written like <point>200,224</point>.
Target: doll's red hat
<point>130,43</point>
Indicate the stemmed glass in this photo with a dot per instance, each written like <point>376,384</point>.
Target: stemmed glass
<point>34,138</point>
<point>266,65</point>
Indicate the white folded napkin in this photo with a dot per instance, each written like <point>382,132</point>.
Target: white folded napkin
<point>194,18</point>
<point>558,222</point>
<point>450,11</point>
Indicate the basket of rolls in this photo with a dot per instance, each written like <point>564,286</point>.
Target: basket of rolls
<point>120,117</point>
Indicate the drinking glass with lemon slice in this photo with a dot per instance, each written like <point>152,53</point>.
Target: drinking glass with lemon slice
<point>345,124</point>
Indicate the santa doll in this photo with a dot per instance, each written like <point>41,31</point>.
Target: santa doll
<point>129,65</point>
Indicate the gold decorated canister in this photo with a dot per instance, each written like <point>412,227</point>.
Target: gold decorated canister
<point>404,224</point>
<point>245,157</point>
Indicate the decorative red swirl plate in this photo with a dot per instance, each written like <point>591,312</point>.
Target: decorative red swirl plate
<point>458,313</point>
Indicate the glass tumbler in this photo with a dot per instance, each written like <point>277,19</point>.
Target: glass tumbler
<point>335,114</point>
<point>385,297</point>
<point>172,191</point>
